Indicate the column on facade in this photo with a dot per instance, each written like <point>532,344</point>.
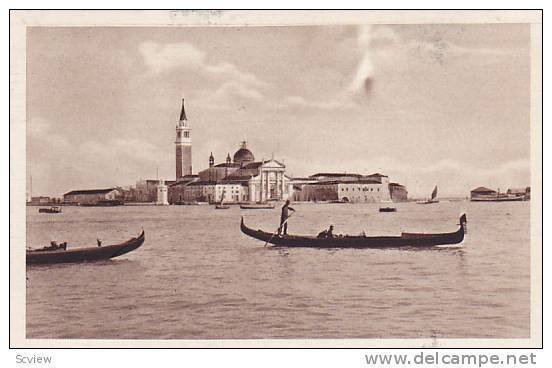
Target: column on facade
<point>282,184</point>
<point>276,185</point>
<point>261,186</point>
<point>267,189</point>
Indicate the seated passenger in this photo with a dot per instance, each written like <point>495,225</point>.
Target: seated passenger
<point>327,233</point>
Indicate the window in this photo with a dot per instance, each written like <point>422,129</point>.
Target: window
<point>178,134</point>
<point>186,134</point>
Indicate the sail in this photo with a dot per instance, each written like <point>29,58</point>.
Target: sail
<point>434,193</point>
<point>222,198</point>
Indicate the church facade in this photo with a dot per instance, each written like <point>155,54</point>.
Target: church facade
<point>238,179</point>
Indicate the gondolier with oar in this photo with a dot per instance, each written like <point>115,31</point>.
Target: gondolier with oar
<point>284,217</point>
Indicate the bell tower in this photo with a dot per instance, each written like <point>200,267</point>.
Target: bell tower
<point>183,144</point>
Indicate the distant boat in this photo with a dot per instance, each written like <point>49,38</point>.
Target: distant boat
<point>186,203</point>
<point>257,206</point>
<point>499,197</point>
<point>53,209</point>
<point>433,196</point>
<point>388,209</point>
<point>338,201</point>
<point>53,254</point>
<point>222,206</point>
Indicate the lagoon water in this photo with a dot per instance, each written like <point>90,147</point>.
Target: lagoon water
<point>198,277</point>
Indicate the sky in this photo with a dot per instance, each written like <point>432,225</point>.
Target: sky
<point>444,105</point>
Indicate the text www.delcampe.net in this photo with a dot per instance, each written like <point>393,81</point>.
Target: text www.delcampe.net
<point>436,358</point>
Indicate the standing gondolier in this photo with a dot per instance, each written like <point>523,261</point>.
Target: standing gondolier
<point>284,216</point>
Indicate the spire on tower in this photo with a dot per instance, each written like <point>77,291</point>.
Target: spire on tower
<point>183,112</point>
<point>211,160</point>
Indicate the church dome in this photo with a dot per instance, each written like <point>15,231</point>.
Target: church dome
<point>243,155</point>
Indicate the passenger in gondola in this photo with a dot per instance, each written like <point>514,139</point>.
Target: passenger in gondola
<point>99,242</point>
<point>284,216</point>
<point>326,233</point>
<point>329,233</point>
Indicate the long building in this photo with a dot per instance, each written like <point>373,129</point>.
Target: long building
<point>91,196</point>
<point>348,188</point>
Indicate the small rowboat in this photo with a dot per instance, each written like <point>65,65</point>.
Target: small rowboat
<point>257,206</point>
<point>47,256</point>
<point>412,240</point>
<point>388,209</point>
<point>221,207</point>
<point>53,209</point>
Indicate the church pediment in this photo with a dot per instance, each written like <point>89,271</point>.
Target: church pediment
<point>273,164</point>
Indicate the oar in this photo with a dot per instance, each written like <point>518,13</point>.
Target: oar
<point>279,227</point>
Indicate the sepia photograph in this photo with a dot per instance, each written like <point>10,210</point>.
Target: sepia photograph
<point>276,178</point>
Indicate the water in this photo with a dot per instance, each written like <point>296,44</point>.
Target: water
<point>198,277</point>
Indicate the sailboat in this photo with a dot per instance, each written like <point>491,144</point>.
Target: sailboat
<point>222,206</point>
<point>433,196</point>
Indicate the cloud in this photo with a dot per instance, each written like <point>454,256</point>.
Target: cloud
<point>238,90</point>
<point>160,58</point>
<point>167,57</point>
<point>339,102</point>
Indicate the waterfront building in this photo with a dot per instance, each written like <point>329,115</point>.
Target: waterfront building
<point>298,183</point>
<point>482,193</point>
<point>177,192</point>
<point>146,190</point>
<point>335,176</point>
<point>398,192</point>
<point>245,178</point>
<point>162,196</point>
<point>40,200</point>
<point>183,144</point>
<point>520,192</point>
<point>90,196</point>
<point>348,188</point>
<point>362,190</point>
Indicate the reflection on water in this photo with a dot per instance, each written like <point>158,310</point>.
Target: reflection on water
<point>198,277</point>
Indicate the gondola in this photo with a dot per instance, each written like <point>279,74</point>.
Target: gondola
<point>388,209</point>
<point>96,253</point>
<point>413,240</point>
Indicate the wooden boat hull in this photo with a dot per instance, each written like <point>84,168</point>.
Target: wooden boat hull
<point>499,199</point>
<point>84,254</point>
<point>48,210</point>
<point>256,206</point>
<point>388,209</point>
<point>405,240</point>
<point>221,207</point>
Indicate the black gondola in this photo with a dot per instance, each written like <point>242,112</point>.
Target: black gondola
<point>60,255</point>
<point>347,241</point>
